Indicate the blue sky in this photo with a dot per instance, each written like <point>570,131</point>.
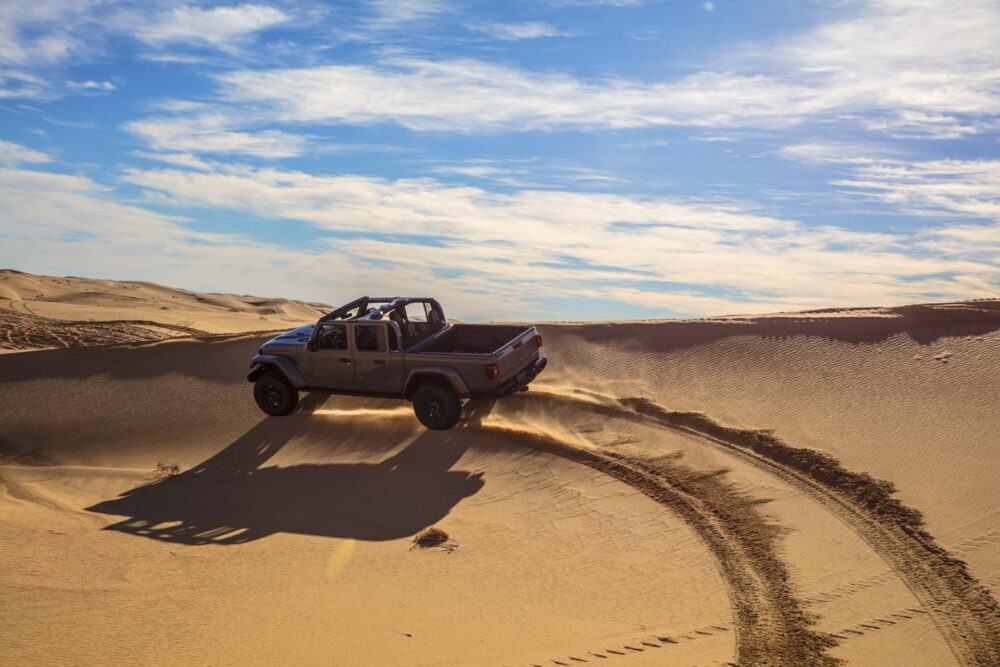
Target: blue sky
<point>554,159</point>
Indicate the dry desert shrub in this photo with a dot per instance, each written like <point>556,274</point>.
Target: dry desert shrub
<point>431,537</point>
<point>163,471</point>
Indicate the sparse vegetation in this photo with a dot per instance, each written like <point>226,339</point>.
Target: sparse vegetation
<point>431,537</point>
<point>164,471</point>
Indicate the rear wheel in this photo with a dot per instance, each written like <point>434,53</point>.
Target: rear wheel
<point>274,395</point>
<point>436,406</point>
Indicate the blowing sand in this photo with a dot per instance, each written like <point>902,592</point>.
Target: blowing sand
<point>800,489</point>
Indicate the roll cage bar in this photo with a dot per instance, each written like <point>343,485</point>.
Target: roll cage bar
<point>368,308</point>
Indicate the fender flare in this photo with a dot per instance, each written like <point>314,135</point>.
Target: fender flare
<point>262,363</point>
<point>449,375</point>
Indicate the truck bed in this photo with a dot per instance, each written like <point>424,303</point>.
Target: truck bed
<point>473,338</point>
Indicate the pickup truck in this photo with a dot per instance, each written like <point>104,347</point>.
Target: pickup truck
<point>398,347</point>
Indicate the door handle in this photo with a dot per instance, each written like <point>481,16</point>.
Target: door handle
<point>345,360</point>
<point>380,362</point>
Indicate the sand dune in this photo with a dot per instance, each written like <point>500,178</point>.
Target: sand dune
<point>789,490</point>
<point>39,312</point>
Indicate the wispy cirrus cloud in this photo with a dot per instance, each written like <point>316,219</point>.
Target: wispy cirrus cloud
<point>14,154</point>
<point>575,243</point>
<point>928,69</point>
<point>91,86</point>
<point>214,132</point>
<point>393,13</point>
<point>938,188</point>
<point>835,152</point>
<point>960,198</point>
<point>39,37</point>
<point>516,31</point>
<point>223,27</point>
<point>473,95</point>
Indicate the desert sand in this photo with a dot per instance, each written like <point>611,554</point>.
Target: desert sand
<point>798,489</point>
<point>38,312</point>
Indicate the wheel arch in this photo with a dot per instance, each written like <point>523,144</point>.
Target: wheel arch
<point>283,366</point>
<point>445,376</point>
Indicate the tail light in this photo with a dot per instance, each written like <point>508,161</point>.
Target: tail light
<point>538,340</point>
<point>493,371</point>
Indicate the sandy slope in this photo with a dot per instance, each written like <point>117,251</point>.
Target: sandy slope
<point>48,311</point>
<point>594,521</point>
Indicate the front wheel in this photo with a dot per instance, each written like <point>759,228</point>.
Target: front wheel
<point>437,407</point>
<point>274,395</point>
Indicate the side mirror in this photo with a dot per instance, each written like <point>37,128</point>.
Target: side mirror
<point>311,346</point>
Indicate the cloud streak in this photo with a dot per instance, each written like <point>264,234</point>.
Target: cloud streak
<point>15,154</point>
<point>572,243</point>
<point>926,69</point>
<point>220,27</point>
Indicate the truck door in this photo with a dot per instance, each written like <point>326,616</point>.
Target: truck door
<point>330,362</point>
<point>376,367</point>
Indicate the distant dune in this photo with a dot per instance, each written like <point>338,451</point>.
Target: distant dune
<point>782,490</point>
<point>46,311</point>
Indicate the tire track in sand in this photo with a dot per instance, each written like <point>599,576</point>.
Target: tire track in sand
<point>964,611</point>
<point>770,624</point>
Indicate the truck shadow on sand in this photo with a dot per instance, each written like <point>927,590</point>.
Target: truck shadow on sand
<point>231,499</point>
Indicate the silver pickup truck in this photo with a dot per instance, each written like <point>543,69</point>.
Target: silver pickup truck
<point>399,347</point>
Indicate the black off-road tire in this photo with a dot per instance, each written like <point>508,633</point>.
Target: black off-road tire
<point>437,406</point>
<point>274,395</point>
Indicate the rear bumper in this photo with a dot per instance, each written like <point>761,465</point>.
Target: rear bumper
<point>521,381</point>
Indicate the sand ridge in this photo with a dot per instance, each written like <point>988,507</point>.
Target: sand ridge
<point>39,312</point>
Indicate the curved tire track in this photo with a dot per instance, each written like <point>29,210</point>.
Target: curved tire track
<point>965,613</point>
<point>771,626</point>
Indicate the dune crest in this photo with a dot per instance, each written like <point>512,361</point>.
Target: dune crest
<point>38,312</point>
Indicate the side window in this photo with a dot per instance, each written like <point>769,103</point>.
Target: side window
<point>415,312</point>
<point>368,338</point>
<point>332,337</point>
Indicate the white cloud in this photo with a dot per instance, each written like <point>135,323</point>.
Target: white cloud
<point>950,193</point>
<point>42,36</point>
<point>177,159</point>
<point>566,243</point>
<point>951,188</point>
<point>39,32</point>
<point>69,224</point>
<point>211,132</point>
<point>95,86</point>
<point>394,13</point>
<point>924,64</point>
<point>525,172</point>
<point>469,95</point>
<point>220,27</point>
<point>824,152</point>
<point>14,154</point>
<point>508,248</point>
<point>516,31</point>
<point>908,69</point>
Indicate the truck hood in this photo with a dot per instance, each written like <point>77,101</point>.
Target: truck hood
<point>290,341</point>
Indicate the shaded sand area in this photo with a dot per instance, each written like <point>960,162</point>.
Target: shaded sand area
<point>686,493</point>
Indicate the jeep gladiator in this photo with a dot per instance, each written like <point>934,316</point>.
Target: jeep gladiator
<point>398,347</point>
